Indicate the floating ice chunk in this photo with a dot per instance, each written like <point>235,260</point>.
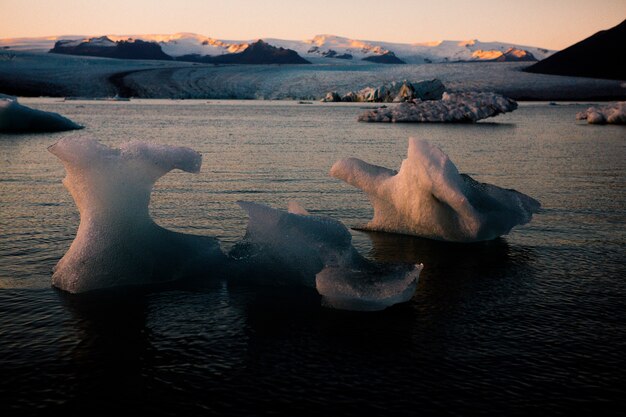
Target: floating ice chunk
<point>367,286</point>
<point>428,197</point>
<point>117,242</point>
<point>289,248</point>
<point>452,108</point>
<point>295,248</point>
<point>614,113</point>
<point>17,118</point>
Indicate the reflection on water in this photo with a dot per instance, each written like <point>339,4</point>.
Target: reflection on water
<point>114,345</point>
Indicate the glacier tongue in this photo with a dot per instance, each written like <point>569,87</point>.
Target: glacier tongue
<point>428,197</point>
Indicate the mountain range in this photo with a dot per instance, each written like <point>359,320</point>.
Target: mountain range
<point>320,49</point>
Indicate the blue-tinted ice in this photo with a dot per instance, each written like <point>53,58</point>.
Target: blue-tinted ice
<point>15,117</point>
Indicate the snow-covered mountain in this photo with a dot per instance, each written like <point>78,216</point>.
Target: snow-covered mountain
<point>415,53</point>
<point>321,48</point>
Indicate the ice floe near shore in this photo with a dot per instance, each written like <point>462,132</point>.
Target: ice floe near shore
<point>452,108</point>
<point>612,114</point>
<point>117,243</point>
<point>428,197</point>
<point>296,248</point>
<point>16,118</point>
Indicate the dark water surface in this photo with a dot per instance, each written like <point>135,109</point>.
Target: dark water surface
<point>532,323</point>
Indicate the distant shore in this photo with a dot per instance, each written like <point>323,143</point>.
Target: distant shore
<point>41,74</point>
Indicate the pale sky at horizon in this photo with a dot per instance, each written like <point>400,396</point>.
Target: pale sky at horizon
<point>553,24</point>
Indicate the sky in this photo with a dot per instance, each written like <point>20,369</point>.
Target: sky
<point>553,24</point>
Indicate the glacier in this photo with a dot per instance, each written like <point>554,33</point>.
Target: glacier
<point>43,74</point>
<point>299,249</point>
<point>117,243</point>
<point>452,108</point>
<point>16,118</point>
<point>428,197</point>
<point>614,113</point>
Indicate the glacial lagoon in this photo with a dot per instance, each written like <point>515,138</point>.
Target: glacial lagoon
<point>530,322</point>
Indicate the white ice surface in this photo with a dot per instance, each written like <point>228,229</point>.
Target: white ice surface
<point>428,197</point>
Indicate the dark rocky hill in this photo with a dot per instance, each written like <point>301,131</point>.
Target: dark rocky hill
<point>386,58</point>
<point>602,55</point>
<point>106,48</point>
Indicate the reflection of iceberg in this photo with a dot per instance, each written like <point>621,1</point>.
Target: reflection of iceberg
<point>117,242</point>
<point>452,108</point>
<point>429,198</point>
<point>17,118</point>
<point>614,113</point>
<point>295,248</point>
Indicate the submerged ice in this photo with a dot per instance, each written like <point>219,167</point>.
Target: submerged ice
<point>296,248</point>
<point>15,118</point>
<point>428,197</point>
<point>117,242</point>
<point>452,108</point>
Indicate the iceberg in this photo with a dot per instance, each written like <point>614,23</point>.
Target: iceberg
<point>394,92</point>
<point>15,118</point>
<point>452,108</point>
<point>296,248</point>
<point>428,197</point>
<point>117,243</point>
<point>614,113</point>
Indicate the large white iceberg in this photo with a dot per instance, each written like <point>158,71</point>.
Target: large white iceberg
<point>614,113</point>
<point>452,108</point>
<point>16,118</point>
<point>117,243</point>
<point>428,197</point>
<point>299,249</point>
